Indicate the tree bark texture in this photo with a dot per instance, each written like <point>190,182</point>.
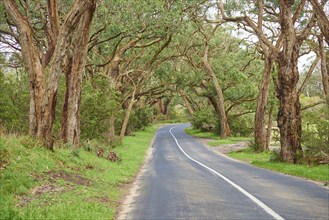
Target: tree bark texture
<point>259,131</point>
<point>224,127</point>
<point>324,68</point>
<point>215,103</point>
<point>127,116</point>
<point>44,72</point>
<point>269,128</point>
<point>289,115</point>
<point>70,127</point>
<point>187,104</point>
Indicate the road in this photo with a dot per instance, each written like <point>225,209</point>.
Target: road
<point>183,179</point>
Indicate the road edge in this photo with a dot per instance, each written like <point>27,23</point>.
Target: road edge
<point>126,206</point>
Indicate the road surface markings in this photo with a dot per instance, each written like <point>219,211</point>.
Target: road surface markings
<point>250,196</point>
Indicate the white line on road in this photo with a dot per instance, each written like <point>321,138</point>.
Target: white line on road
<point>253,198</point>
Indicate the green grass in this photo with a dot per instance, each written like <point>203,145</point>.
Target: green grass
<point>200,134</point>
<point>263,159</point>
<point>216,139</point>
<point>31,190</point>
<point>317,173</point>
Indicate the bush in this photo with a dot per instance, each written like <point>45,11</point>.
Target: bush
<point>315,136</point>
<point>241,126</point>
<point>98,102</point>
<point>14,102</point>
<point>140,118</point>
<point>205,120</point>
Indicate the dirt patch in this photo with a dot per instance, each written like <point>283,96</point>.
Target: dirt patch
<point>37,191</point>
<point>69,177</point>
<point>225,148</point>
<point>105,200</point>
<point>47,188</point>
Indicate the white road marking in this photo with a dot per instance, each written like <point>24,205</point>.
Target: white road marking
<point>250,196</point>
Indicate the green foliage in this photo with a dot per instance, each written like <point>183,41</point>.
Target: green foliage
<point>205,120</point>
<point>140,118</point>
<point>98,103</point>
<point>242,126</point>
<point>267,160</point>
<point>14,101</point>
<point>216,139</point>
<point>315,136</point>
<point>39,184</point>
<point>201,134</point>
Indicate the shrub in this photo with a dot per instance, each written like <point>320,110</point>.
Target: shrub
<point>205,120</point>
<point>315,136</point>
<point>98,102</point>
<point>241,126</point>
<point>140,118</point>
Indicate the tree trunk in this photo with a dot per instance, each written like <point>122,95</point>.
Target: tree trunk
<point>187,104</point>
<point>269,128</point>
<point>126,120</point>
<point>289,116</point>
<point>70,128</point>
<point>44,71</point>
<point>160,106</point>
<point>224,132</point>
<point>324,69</point>
<point>259,131</point>
<point>216,105</point>
<point>166,106</point>
<point>111,131</point>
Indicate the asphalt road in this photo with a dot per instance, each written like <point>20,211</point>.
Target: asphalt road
<point>185,180</point>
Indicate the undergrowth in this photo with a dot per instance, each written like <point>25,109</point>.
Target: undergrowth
<point>69,183</point>
<point>267,159</point>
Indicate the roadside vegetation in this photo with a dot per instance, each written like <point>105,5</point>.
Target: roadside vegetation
<point>270,159</point>
<point>80,78</point>
<point>70,183</point>
<point>216,140</point>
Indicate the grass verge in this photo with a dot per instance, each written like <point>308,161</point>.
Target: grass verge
<point>216,139</point>
<point>264,159</point>
<point>67,184</point>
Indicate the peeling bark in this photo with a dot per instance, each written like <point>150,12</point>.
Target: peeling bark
<point>44,72</point>
<point>259,131</point>
<point>289,116</point>
<point>224,127</point>
<point>70,127</point>
<point>324,69</point>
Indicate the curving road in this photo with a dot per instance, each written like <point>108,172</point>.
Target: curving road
<point>185,180</point>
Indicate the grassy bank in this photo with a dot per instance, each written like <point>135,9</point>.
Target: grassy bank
<point>265,159</point>
<point>316,172</point>
<point>216,141</point>
<point>67,184</point>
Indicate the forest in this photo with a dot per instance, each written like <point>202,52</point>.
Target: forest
<point>81,78</point>
<point>76,71</point>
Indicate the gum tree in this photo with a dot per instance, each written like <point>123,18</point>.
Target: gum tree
<point>51,44</point>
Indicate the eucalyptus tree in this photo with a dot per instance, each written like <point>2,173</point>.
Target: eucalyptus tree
<point>51,43</point>
<point>128,42</point>
<point>295,22</point>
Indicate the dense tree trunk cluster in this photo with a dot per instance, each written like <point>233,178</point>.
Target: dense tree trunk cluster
<point>45,71</point>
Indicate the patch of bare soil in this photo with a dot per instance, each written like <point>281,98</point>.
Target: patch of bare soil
<point>105,200</point>
<point>225,148</point>
<point>38,190</point>
<point>69,177</point>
